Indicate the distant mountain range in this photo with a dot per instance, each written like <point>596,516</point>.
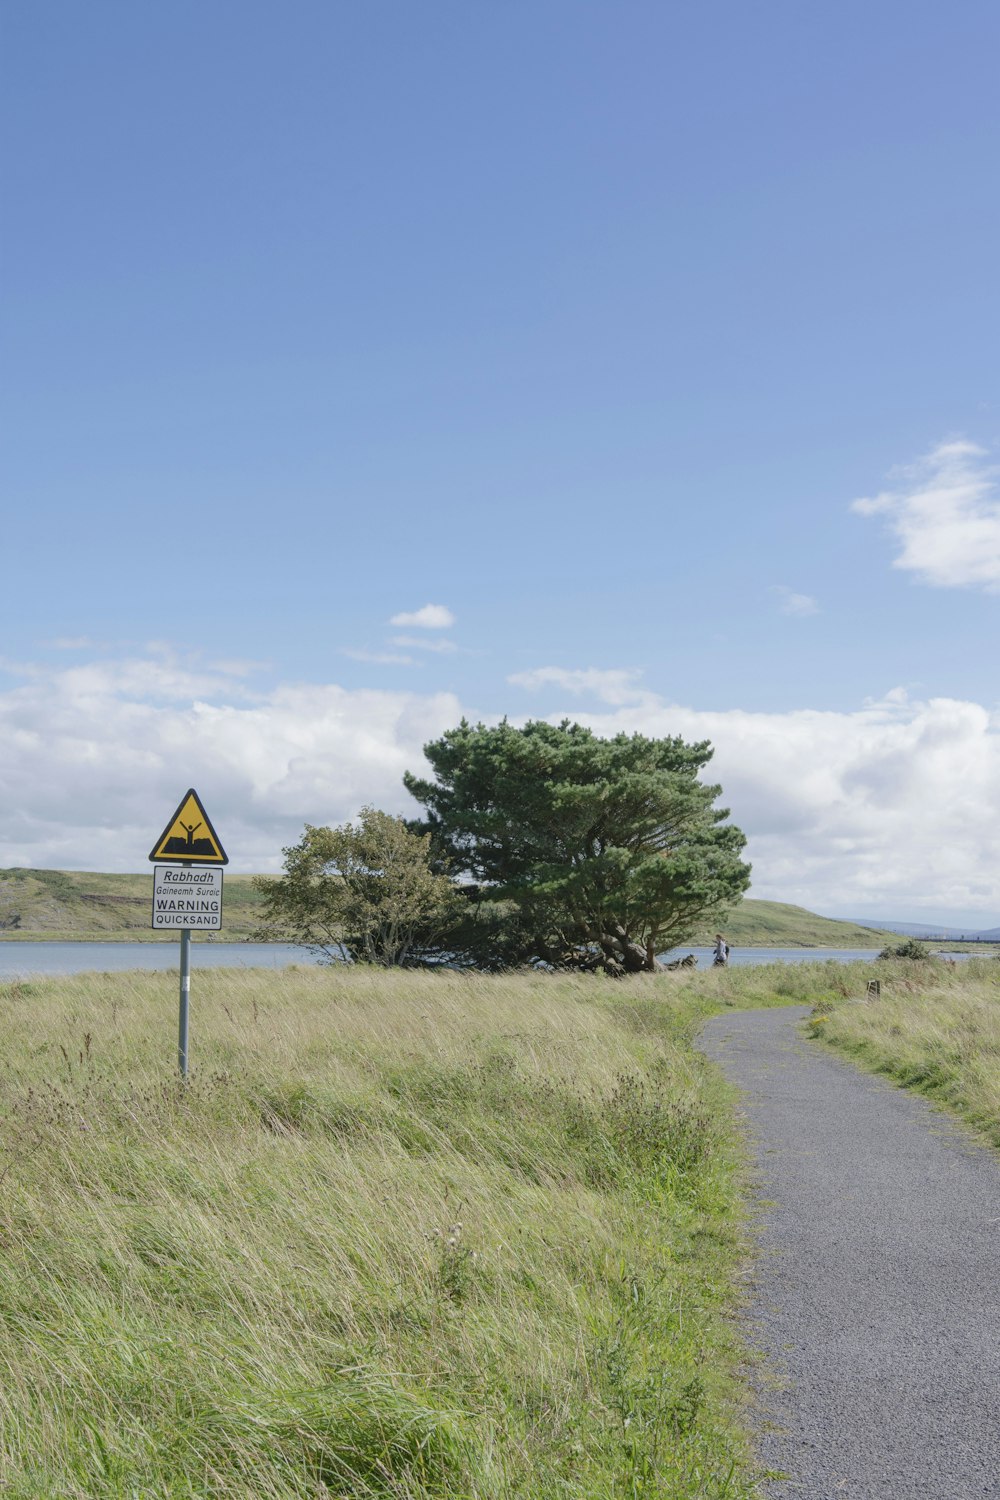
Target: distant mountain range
<point>926,930</point>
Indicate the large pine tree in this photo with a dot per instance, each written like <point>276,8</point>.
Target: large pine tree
<point>597,852</point>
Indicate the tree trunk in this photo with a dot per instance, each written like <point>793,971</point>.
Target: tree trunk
<point>634,958</point>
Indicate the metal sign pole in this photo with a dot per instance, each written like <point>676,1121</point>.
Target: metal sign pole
<point>182,1029</point>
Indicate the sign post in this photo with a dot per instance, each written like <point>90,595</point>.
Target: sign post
<point>187,891</point>
<point>185,1007</point>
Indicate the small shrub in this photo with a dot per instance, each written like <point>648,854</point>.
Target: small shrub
<point>910,949</point>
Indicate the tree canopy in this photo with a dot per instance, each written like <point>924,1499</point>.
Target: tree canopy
<point>598,852</point>
<point>362,891</point>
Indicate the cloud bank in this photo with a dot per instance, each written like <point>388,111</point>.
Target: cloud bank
<point>429,617</point>
<point>945,516</point>
<point>93,759</point>
<point>894,805</point>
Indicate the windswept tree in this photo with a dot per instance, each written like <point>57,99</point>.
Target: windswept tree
<point>587,852</point>
<point>363,891</point>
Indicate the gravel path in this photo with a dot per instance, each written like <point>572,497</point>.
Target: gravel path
<point>876,1299</point>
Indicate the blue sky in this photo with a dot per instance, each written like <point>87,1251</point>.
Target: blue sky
<point>585,323</point>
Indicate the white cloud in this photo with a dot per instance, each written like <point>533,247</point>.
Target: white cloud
<point>418,643</point>
<point>945,514</point>
<point>93,760</point>
<point>614,685</point>
<point>162,677</point>
<point>429,617</point>
<point>794,604</point>
<point>892,806</point>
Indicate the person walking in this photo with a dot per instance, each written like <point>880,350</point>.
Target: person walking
<point>721,959</point>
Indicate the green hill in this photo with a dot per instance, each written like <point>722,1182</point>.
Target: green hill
<point>772,924</point>
<point>80,905</point>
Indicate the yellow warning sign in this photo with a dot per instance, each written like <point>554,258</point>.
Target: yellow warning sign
<point>190,836</point>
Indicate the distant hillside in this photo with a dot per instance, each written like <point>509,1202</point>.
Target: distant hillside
<point>773,924</point>
<point>77,905</point>
<point>932,933</point>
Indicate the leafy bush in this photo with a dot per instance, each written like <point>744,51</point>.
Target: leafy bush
<point>364,892</point>
<point>910,949</point>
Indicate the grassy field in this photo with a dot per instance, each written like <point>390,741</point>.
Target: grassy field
<point>936,1028</point>
<point>75,904</point>
<point>407,1235</point>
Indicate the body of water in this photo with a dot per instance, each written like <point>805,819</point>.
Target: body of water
<point>22,960</point>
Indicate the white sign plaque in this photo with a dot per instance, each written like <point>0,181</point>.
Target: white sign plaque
<point>186,896</point>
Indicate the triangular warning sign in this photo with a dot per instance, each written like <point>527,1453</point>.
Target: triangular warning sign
<point>190,836</point>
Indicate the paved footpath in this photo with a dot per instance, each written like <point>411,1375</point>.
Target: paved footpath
<point>876,1297</point>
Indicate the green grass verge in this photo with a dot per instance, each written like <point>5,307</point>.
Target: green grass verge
<point>407,1235</point>
<point>935,1028</point>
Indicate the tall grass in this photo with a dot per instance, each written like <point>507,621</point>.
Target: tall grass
<point>399,1236</point>
<point>809,983</point>
<point>935,1028</point>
